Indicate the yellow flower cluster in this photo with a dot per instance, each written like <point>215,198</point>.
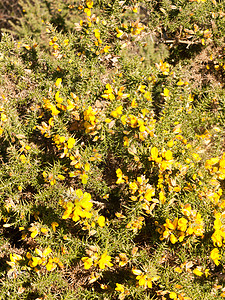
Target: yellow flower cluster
<point>50,106</point>
<point>68,105</point>
<point>14,262</point>
<point>91,121</point>
<point>96,260</point>
<point>179,228</point>
<point>110,94</point>
<point>216,167</point>
<point>121,177</point>
<point>4,117</point>
<point>46,128</point>
<point>87,9</point>
<point>122,259</point>
<point>78,207</point>
<point>35,230</point>
<point>49,177</point>
<point>163,159</point>
<point>142,191</point>
<point>144,122</point>
<point>145,280</point>
<point>218,236</point>
<point>122,290</point>
<point>43,260</point>
<point>215,256</point>
<point>55,46</point>
<point>199,271</point>
<point>146,94</point>
<point>136,224</point>
<point>136,28</point>
<point>65,143</point>
<point>164,67</point>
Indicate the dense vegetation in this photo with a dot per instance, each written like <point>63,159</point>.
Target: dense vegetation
<point>112,150</point>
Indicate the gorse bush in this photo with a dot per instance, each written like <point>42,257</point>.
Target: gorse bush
<point>112,151</point>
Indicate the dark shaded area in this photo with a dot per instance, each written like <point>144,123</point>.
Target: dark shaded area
<point>10,11</point>
<point>183,51</point>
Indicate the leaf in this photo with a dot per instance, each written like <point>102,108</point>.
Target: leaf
<point>111,124</point>
<point>177,128</point>
<point>132,150</point>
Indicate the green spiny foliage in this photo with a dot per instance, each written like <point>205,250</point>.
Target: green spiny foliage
<point>112,151</point>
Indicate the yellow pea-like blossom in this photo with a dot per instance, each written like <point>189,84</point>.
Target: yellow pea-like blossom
<point>104,261</point>
<point>119,287</point>
<point>58,82</point>
<point>198,271</point>
<point>54,225</point>
<point>215,256</point>
<point>88,262</point>
<point>71,141</point>
<point>154,153</point>
<point>101,221</point>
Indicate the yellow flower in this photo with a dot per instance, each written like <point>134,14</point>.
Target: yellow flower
<point>44,230</point>
<point>50,266</point>
<point>123,259</point>
<point>182,224</point>
<point>134,103</point>
<point>215,255</point>
<point>120,176</point>
<point>117,112</point>
<point>58,82</point>
<point>89,3</point>
<point>145,280</point>
<point>133,186</point>
<point>80,208</point>
<point>87,262</point>
<point>23,158</point>
<point>119,287</point>
<point>108,94</point>
<point>173,295</point>
<point>54,225</point>
<point>34,262</point>
<point>178,270</point>
<point>166,92</point>
<point>13,259</point>
<point>3,117</point>
<point>97,33</point>
<point>170,143</point>
<point>198,271</point>
<point>88,12</point>
<point>196,156</point>
<point>119,32</point>
<point>149,194</point>
<point>46,252</point>
<point>34,231</point>
<point>154,153</point>
<point>171,225</point>
<point>71,141</point>
<point>163,67</point>
<point>84,178</point>
<point>168,155</point>
<point>173,239</point>
<point>104,261</point>
<point>101,221</point>
<point>57,98</point>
